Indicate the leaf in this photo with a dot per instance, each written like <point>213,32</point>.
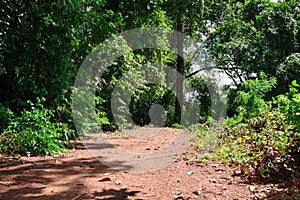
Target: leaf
<point>239,140</point>
<point>247,137</point>
<point>294,83</point>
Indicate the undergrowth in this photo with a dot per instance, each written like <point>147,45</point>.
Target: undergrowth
<point>34,132</point>
<point>266,139</point>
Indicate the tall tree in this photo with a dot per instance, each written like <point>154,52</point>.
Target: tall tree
<point>179,67</point>
<point>256,35</point>
<point>188,18</point>
<point>43,43</point>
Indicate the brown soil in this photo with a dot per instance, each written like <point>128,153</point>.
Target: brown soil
<point>78,175</point>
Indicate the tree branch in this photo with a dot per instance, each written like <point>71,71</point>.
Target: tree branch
<point>209,68</point>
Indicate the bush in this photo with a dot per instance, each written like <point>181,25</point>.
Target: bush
<point>35,133</point>
<point>290,104</point>
<point>269,141</point>
<point>250,99</point>
<point>263,135</point>
<point>5,117</point>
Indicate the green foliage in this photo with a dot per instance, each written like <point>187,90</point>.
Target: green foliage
<point>256,35</point>
<point>288,70</point>
<point>268,140</point>
<point>145,97</point>
<point>44,43</point>
<point>35,45</point>
<point>134,95</point>
<point>250,97</point>
<point>35,133</point>
<point>5,117</point>
<point>199,91</point>
<point>290,104</point>
<point>101,116</point>
<point>206,138</point>
<point>175,125</point>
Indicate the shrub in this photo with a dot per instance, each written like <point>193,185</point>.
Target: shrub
<point>5,117</point>
<point>289,103</point>
<point>35,133</point>
<point>250,99</point>
<point>269,141</point>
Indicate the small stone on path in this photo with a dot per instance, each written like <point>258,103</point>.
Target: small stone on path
<point>105,179</point>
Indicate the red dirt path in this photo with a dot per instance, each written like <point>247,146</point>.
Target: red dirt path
<point>77,176</point>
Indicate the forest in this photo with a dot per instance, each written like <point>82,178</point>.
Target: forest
<point>254,43</point>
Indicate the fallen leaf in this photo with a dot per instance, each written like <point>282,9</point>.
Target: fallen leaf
<point>245,169</point>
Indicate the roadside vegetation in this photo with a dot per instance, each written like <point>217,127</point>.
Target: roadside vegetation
<point>264,142</point>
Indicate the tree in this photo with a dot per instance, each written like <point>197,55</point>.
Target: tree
<point>188,18</point>
<point>253,36</point>
<point>43,44</point>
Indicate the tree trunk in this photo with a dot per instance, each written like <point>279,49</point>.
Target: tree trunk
<point>180,70</point>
